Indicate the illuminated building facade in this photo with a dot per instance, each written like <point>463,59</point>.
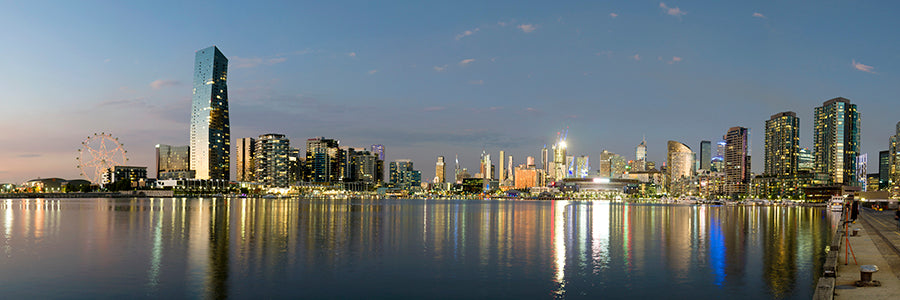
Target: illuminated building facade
<point>837,140</point>
<point>210,131</point>
<point>782,145</point>
<point>640,156</point>
<point>403,175</point>
<point>806,161</point>
<point>884,170</point>
<point>894,150</point>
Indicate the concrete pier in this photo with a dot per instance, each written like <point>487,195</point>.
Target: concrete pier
<point>877,243</point>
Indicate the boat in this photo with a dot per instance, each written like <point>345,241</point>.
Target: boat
<point>836,203</point>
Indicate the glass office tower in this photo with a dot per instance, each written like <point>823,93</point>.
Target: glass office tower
<point>210,132</point>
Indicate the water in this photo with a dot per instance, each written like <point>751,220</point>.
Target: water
<point>406,249</point>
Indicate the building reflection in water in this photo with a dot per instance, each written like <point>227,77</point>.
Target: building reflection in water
<point>288,248</point>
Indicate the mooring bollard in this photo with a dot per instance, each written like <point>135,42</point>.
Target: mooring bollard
<point>855,232</point>
<point>865,276</point>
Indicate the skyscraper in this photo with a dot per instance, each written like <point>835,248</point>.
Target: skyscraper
<point>173,162</point>
<point>439,170</point>
<point>502,171</point>
<point>884,170</point>
<point>246,147</point>
<point>782,144</point>
<point>403,175</point>
<point>545,159</point>
<point>323,160</point>
<point>894,183</point>
<point>837,140</point>
<point>272,160</point>
<point>705,155</point>
<point>737,162</point>
<point>640,156</point>
<point>559,161</point>
<point>679,161</point>
<point>210,132</point>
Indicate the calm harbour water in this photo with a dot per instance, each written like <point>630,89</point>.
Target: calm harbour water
<point>406,249</point>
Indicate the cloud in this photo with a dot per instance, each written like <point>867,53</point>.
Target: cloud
<point>240,62</point>
<point>373,72</point>
<point>466,61</point>
<point>440,68</point>
<point>527,28</point>
<point>672,11</point>
<point>862,67</point>
<point>434,108</point>
<point>351,54</point>
<point>476,82</point>
<point>107,60</point>
<point>29,155</point>
<point>613,15</point>
<point>759,15</point>
<point>501,23</point>
<point>636,57</point>
<point>161,83</point>
<point>675,59</point>
<point>605,53</point>
<point>466,33</point>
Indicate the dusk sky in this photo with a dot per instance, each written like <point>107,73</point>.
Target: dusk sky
<point>428,78</point>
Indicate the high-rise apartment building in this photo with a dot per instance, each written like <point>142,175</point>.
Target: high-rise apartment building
<point>324,159</point>
<point>837,140</point>
<point>737,160</point>
<point>210,132</point>
<point>439,170</point>
<point>679,161</point>
<point>246,147</point>
<point>271,158</point>
<point>545,159</point>
<point>782,145</point>
<point>403,175</point>
<point>359,165</point>
<point>582,166</point>
<point>173,162</point>
<point>705,155</point>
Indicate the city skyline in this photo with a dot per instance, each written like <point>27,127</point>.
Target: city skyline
<point>508,77</point>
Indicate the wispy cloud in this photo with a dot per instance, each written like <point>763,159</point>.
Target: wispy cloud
<point>672,11</point>
<point>502,24</point>
<point>467,61</point>
<point>606,53</point>
<point>440,68</point>
<point>527,28</point>
<point>434,108</point>
<point>759,15</point>
<point>476,82</point>
<point>161,83</point>
<point>467,33</point>
<point>675,59</point>
<point>613,15</point>
<point>107,60</point>
<point>240,62</point>
<point>373,72</point>
<point>636,57</point>
<point>862,67</point>
<point>30,155</point>
<point>351,54</point>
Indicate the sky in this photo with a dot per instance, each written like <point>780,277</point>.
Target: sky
<point>440,78</point>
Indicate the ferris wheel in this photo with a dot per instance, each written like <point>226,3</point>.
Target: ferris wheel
<point>98,153</point>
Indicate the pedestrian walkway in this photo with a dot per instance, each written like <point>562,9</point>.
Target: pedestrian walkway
<point>877,243</point>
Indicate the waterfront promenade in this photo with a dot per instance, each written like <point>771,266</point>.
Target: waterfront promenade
<point>877,243</point>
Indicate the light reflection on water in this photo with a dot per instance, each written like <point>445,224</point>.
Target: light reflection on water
<point>196,248</point>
